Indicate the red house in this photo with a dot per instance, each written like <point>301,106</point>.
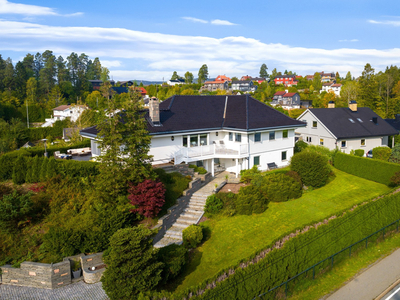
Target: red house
<point>286,80</point>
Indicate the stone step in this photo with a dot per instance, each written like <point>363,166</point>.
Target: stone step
<point>186,220</point>
<point>197,201</point>
<point>167,241</point>
<point>193,211</point>
<point>182,225</point>
<point>173,234</point>
<point>195,206</point>
<point>192,215</point>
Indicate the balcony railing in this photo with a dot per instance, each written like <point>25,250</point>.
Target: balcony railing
<point>210,151</point>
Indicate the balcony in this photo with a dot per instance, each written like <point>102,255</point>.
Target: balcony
<point>210,151</point>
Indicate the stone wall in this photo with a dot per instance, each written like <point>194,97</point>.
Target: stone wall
<point>93,260</point>
<point>33,274</point>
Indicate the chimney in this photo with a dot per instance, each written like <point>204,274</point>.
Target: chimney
<point>331,104</point>
<point>375,120</point>
<point>154,110</point>
<point>286,91</point>
<point>353,106</point>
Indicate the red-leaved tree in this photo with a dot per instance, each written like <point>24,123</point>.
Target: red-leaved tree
<point>148,197</point>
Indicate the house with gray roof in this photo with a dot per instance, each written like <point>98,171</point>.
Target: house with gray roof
<point>346,128</point>
<point>235,132</point>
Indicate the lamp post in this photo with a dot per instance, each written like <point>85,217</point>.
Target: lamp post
<point>45,151</point>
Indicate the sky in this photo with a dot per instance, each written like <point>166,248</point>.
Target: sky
<point>149,40</point>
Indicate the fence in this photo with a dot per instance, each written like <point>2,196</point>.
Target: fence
<point>282,290</point>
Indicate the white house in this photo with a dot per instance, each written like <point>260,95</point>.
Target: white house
<point>345,128</point>
<point>330,86</point>
<point>62,112</point>
<point>229,132</point>
<point>174,82</point>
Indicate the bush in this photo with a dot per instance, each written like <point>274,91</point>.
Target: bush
<point>359,152</point>
<point>174,258</point>
<point>51,168</point>
<point>197,169</point>
<point>312,167</point>
<point>19,170</point>
<point>279,187</point>
<point>251,200</point>
<point>300,146</point>
<point>43,170</point>
<point>248,175</point>
<point>213,204</point>
<point>192,236</point>
<point>395,156</point>
<point>229,201</point>
<point>395,179</point>
<point>15,208</point>
<point>371,169</point>
<point>381,153</point>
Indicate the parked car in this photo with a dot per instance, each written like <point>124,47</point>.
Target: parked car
<point>369,154</point>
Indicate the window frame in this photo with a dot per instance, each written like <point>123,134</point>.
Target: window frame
<point>314,124</point>
<point>363,144</point>
<point>231,136</point>
<point>257,140</point>
<point>287,134</point>
<point>238,137</point>
<point>345,144</point>
<point>284,153</point>
<point>321,142</point>
<point>271,135</point>
<point>258,160</point>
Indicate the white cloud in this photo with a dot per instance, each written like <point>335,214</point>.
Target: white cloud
<point>156,55</point>
<point>392,23</point>
<point>30,10</point>
<point>195,20</point>
<point>221,22</point>
<point>353,41</point>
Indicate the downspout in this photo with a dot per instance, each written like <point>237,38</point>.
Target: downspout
<point>247,127</point>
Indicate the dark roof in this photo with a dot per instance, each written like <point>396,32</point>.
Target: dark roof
<point>194,113</point>
<point>120,89</point>
<point>241,81</point>
<point>344,123</point>
<point>285,76</point>
<point>395,123</point>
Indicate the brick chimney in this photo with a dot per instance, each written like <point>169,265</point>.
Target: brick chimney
<point>331,104</point>
<point>353,105</point>
<point>154,110</point>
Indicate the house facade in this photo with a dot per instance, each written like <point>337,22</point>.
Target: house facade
<point>176,81</point>
<point>286,80</point>
<point>331,86</point>
<point>215,85</point>
<point>286,100</point>
<point>229,132</point>
<point>223,78</point>
<point>63,112</point>
<point>244,86</point>
<point>346,128</point>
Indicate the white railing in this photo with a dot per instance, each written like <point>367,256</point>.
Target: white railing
<point>210,151</point>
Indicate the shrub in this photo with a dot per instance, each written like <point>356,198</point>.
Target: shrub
<point>229,201</point>
<point>294,175</point>
<point>15,208</point>
<point>19,170</point>
<point>43,170</point>
<point>251,200</point>
<point>312,167</point>
<point>381,153</point>
<point>359,152</point>
<point>174,258</point>
<point>192,236</point>
<point>371,169</point>
<point>248,175</point>
<point>201,170</point>
<point>29,170</point>
<point>395,156</point>
<point>300,146</point>
<point>5,190</point>
<point>213,204</point>
<point>51,168</point>
<point>395,179</point>
<point>36,165</point>
<point>279,187</point>
<point>147,197</point>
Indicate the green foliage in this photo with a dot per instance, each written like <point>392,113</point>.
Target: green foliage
<point>192,236</point>
<point>29,170</point>
<point>395,155</point>
<point>36,165</point>
<point>7,162</point>
<point>19,170</point>
<point>248,175</point>
<point>395,179</point>
<point>359,152</point>
<point>15,208</point>
<point>51,168</point>
<point>312,167</point>
<point>132,263</point>
<point>197,169</point>
<point>279,187</point>
<point>213,204</point>
<point>43,170</point>
<point>229,202</point>
<point>381,153</point>
<point>321,150</point>
<point>173,258</point>
<point>250,200</point>
<point>300,146</point>
<point>371,169</point>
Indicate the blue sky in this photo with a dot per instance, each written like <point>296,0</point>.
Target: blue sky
<point>150,39</point>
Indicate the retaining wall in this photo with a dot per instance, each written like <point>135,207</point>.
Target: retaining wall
<point>89,261</point>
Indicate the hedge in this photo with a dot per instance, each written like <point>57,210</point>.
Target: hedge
<point>257,275</point>
<point>371,169</point>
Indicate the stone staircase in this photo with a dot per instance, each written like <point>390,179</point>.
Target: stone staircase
<point>190,215</point>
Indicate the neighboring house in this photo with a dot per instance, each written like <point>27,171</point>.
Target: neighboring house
<point>63,112</point>
<point>176,81</point>
<point>395,123</point>
<point>327,77</point>
<point>286,80</point>
<point>331,86</point>
<point>286,100</point>
<point>346,128</point>
<point>310,77</point>
<point>326,87</point>
<point>247,77</point>
<point>258,79</point>
<point>233,132</point>
<point>96,84</point>
<point>244,86</point>
<point>223,78</point>
<point>214,85</point>
<point>125,83</point>
<point>141,90</point>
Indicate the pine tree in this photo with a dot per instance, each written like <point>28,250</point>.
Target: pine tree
<point>29,169</point>
<point>51,168</point>
<point>19,170</point>
<point>43,170</point>
<point>36,165</point>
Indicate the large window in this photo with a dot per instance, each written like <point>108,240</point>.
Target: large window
<point>184,144</point>
<point>272,135</point>
<point>285,134</point>
<point>238,137</point>
<point>195,140</point>
<point>343,144</point>
<point>231,136</point>
<point>256,160</point>
<point>257,137</point>
<point>203,139</point>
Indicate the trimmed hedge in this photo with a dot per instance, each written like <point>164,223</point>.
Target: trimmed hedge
<point>371,169</point>
<point>192,236</point>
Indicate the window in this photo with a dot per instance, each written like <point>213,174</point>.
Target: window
<point>343,144</point>
<point>314,124</point>
<point>305,121</point>
<point>363,142</point>
<point>184,141</point>
<point>352,121</point>
<point>238,137</point>
<point>285,134</point>
<point>321,142</point>
<point>272,135</point>
<point>256,160</point>
<point>257,137</point>
<point>284,155</point>
<point>230,136</point>
<point>309,139</point>
<point>203,139</point>
<point>194,141</point>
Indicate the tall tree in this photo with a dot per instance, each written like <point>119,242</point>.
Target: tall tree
<point>349,91</point>
<point>48,72</point>
<point>175,76</point>
<point>29,64</point>
<point>21,77</point>
<point>317,84</point>
<point>203,74</point>
<point>38,65</point>
<point>263,71</point>
<point>96,69</point>
<point>274,73</point>
<point>2,70</point>
<point>348,76</point>
<point>31,90</point>
<point>368,92</point>
<point>62,72</point>
<point>9,75</point>
<point>188,77</point>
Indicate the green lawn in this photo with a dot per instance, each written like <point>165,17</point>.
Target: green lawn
<point>235,238</point>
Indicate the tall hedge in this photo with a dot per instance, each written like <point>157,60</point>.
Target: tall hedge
<point>298,253</point>
<point>371,169</point>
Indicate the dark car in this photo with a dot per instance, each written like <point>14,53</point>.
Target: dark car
<point>369,154</point>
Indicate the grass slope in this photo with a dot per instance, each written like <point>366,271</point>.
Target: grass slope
<point>236,238</point>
